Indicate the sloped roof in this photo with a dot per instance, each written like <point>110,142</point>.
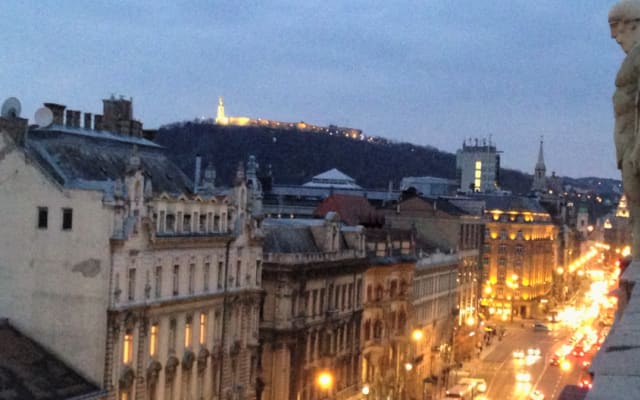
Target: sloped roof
<point>333,178</point>
<point>353,210</point>
<point>289,239</point>
<point>85,159</point>
<point>27,371</point>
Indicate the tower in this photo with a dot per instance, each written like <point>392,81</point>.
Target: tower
<point>221,119</point>
<point>478,166</point>
<point>540,172</point>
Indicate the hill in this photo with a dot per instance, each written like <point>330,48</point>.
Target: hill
<point>294,156</point>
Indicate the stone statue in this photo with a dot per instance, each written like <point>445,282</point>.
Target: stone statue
<point>624,21</point>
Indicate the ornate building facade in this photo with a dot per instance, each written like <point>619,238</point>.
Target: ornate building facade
<point>145,288</point>
<point>185,294</point>
<point>312,312</point>
<point>519,257</point>
<point>387,322</point>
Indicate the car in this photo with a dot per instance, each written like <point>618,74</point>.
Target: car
<point>533,351</point>
<point>540,327</point>
<point>523,377</point>
<point>478,384</point>
<point>578,351</point>
<point>536,395</point>
<point>555,360</point>
<point>518,354</point>
<point>585,382</point>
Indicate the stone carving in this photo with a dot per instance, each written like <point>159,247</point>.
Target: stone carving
<point>624,22</point>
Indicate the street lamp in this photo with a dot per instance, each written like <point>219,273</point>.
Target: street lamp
<point>325,381</point>
<point>417,335</point>
<point>366,390</point>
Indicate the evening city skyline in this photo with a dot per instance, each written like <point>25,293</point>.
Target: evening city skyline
<point>430,73</point>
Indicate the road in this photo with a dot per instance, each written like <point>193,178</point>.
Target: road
<point>499,368</point>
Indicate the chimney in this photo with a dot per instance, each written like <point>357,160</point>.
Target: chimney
<point>69,118</point>
<point>76,119</point>
<point>87,121</point>
<point>58,112</point>
<point>16,128</point>
<point>196,177</point>
<point>97,122</point>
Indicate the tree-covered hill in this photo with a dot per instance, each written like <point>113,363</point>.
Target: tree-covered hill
<point>295,156</point>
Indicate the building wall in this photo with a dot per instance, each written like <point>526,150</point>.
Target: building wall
<point>195,287</point>
<point>519,260</point>
<point>54,283</point>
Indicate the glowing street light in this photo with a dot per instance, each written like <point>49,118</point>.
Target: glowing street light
<point>366,390</point>
<point>417,335</point>
<point>408,366</point>
<point>325,380</point>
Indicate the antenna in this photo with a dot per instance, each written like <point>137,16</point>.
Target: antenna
<point>43,117</point>
<point>11,108</point>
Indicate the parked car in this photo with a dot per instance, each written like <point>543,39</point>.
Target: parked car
<point>539,326</point>
<point>479,384</point>
<point>536,395</point>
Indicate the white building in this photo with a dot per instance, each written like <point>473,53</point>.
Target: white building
<point>110,260</point>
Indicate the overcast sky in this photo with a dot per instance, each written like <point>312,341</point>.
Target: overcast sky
<point>426,72</point>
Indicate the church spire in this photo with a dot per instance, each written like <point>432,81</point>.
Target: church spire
<point>540,163</point>
<point>540,172</point>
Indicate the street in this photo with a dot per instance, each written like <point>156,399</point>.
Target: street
<point>499,368</point>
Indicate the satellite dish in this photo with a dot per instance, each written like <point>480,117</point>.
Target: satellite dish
<point>11,108</point>
<point>43,117</point>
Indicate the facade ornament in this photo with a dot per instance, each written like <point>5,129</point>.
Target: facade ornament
<point>126,377</point>
<point>171,368</point>
<point>187,359</point>
<point>153,371</point>
<point>624,21</point>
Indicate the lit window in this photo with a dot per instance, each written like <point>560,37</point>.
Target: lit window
<point>153,340</point>
<point>127,348</point>
<point>187,333</point>
<point>203,328</point>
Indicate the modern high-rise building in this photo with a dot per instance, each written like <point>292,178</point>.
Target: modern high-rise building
<point>478,166</point>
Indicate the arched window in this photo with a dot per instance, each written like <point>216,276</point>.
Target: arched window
<point>367,330</point>
<point>379,292</point>
<point>393,288</point>
<point>402,320</point>
<point>377,329</point>
<point>369,293</point>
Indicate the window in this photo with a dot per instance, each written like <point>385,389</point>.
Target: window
<point>176,280</point>
<point>187,333</point>
<point>127,347</point>
<point>172,336</point>
<point>153,340</point>
<point>67,219</point>
<point>131,284</point>
<point>238,270</point>
<point>477,181</point>
<point>205,276</point>
<point>158,279</point>
<point>192,273</point>
<point>203,328</point>
<point>220,271</point>
<point>43,217</point>
<point>203,223</point>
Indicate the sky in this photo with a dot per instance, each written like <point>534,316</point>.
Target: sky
<point>428,72</point>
